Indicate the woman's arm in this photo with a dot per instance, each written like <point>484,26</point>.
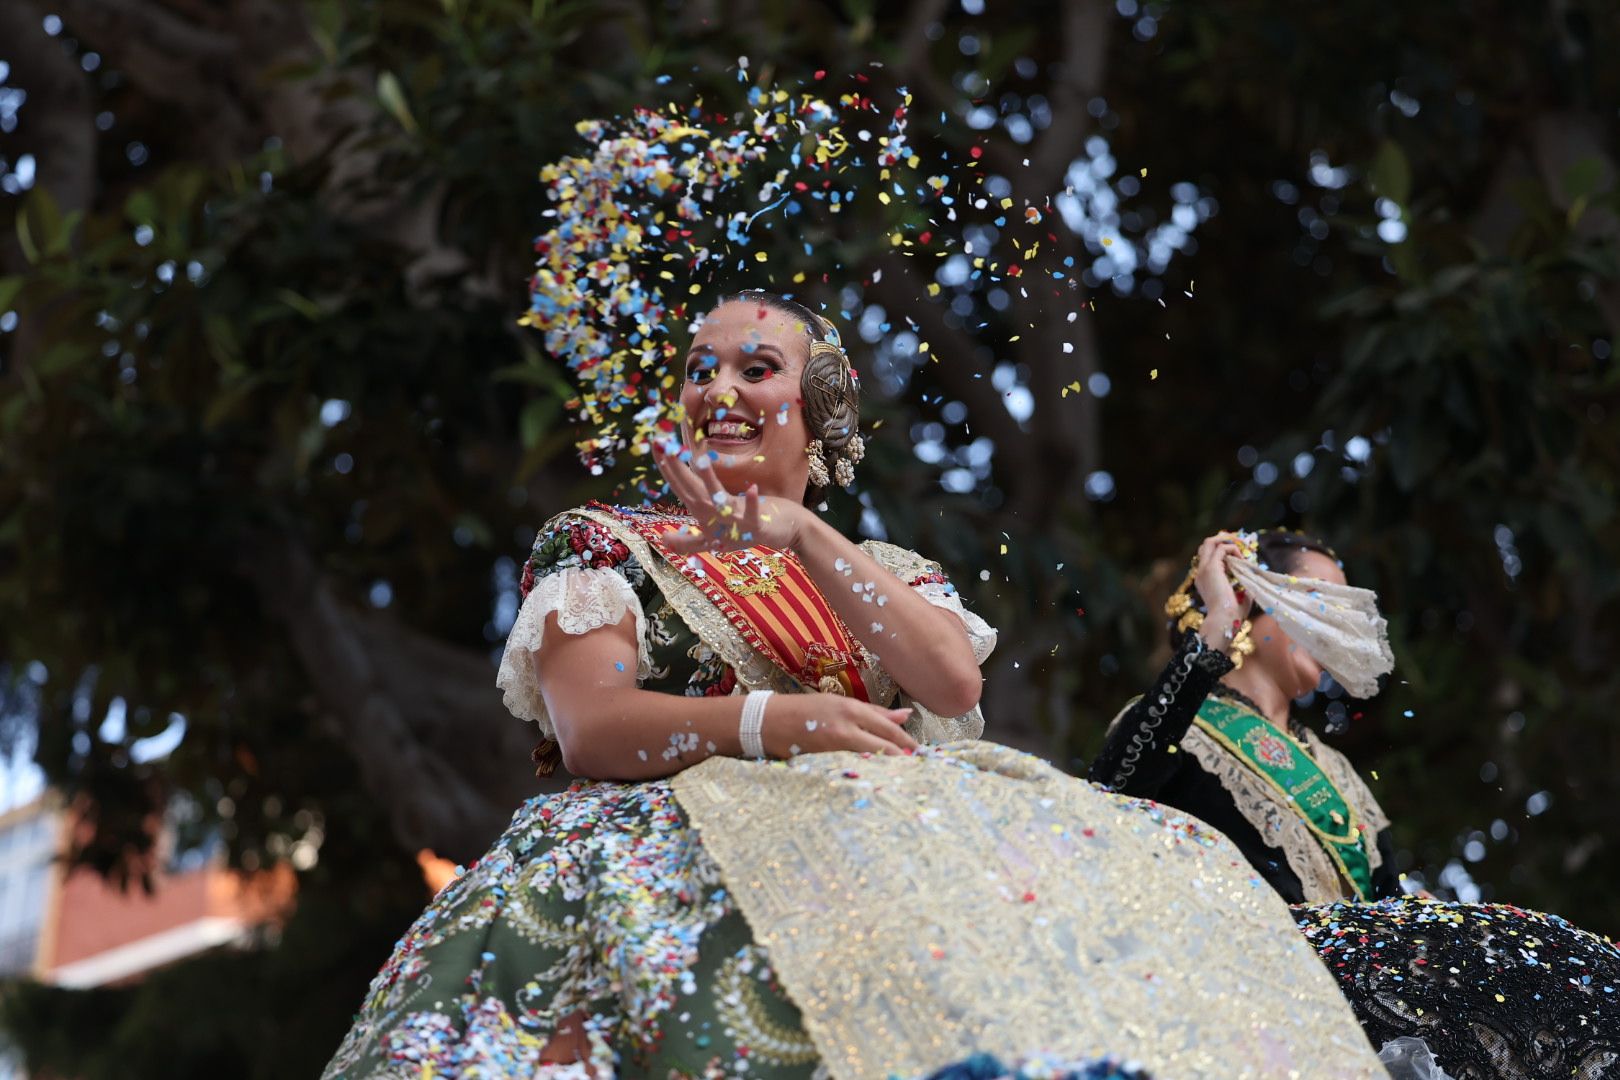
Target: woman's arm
<point>924,648</point>
<point>1141,753</point>
<point>609,729</point>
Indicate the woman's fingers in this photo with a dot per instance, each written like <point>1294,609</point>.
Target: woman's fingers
<point>750,521</point>
<point>711,482</point>
<point>677,474</point>
<point>885,724</point>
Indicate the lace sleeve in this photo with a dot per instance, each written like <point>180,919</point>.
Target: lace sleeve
<point>582,575</point>
<point>928,580</point>
<point>1139,754</point>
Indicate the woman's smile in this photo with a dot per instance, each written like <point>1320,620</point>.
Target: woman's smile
<point>730,433</point>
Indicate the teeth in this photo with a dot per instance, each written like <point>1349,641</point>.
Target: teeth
<point>730,429</point>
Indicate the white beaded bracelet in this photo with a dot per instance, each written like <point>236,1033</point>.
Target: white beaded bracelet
<point>750,730</point>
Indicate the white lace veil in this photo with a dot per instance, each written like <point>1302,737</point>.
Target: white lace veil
<point>1339,625</point>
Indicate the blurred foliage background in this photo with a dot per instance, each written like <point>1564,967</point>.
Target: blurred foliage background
<point>272,445</point>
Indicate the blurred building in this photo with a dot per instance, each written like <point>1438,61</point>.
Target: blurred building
<point>29,839</point>
<point>77,930</point>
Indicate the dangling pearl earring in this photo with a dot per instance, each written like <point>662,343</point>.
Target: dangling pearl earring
<point>818,465</point>
<point>844,471</point>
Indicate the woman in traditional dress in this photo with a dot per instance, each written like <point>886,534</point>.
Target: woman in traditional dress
<point>775,871</point>
<point>1216,735</point>
<point>1446,989</point>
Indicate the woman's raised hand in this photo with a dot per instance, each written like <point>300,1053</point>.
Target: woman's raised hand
<point>1225,607</point>
<point>817,723</point>
<point>725,520</point>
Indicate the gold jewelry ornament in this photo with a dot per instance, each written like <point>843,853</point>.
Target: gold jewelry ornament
<point>843,471</point>
<point>831,393</point>
<point>818,465</point>
<point>1181,608</point>
<point>1242,645</point>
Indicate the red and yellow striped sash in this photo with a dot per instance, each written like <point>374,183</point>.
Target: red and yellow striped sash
<point>771,600</point>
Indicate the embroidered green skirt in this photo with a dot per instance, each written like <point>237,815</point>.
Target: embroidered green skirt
<point>601,902</point>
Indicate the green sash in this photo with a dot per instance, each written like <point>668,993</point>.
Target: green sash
<point>1285,766</point>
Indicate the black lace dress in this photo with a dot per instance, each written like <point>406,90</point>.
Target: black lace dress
<point>1474,991</point>
<point>1146,756</point>
<point>1492,990</point>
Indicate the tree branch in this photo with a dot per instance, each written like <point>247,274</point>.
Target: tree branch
<point>170,60</point>
<point>1085,65</point>
<point>901,293</point>
<point>58,129</point>
<point>422,718</point>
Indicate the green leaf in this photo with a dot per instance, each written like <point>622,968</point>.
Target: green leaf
<point>536,419</point>
<point>11,412</point>
<point>219,410</point>
<point>1581,180</point>
<point>306,307</point>
<point>141,209</point>
<point>392,96</point>
<point>25,235</point>
<point>62,239</point>
<point>1391,176</point>
<point>1576,209</point>
<point>9,288</point>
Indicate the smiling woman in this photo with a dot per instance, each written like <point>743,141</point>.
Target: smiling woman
<point>776,870</point>
<point>767,380</point>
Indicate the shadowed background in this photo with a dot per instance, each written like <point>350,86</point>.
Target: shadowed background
<point>272,446</point>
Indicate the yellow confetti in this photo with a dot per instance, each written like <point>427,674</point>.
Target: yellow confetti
<point>1154,374</point>
<point>1004,549</point>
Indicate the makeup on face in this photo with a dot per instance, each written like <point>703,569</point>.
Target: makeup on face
<point>725,419</point>
<point>741,396</point>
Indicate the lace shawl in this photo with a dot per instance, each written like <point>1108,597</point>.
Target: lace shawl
<point>587,598</point>
<point>1280,825</point>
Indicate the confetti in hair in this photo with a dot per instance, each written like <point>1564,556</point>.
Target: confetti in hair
<point>661,207</point>
<point>670,209</point>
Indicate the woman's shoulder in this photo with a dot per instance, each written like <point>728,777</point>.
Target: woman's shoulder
<point>907,565</point>
<point>588,537</point>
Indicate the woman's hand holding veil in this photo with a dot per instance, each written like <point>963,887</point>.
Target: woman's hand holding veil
<point>1225,606</point>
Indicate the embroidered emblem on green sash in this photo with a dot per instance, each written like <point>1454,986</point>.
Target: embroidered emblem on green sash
<point>1297,781</point>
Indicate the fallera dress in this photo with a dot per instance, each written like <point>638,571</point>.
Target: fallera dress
<point>835,914</point>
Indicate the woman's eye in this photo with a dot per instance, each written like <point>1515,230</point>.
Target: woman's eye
<point>760,371</point>
<point>701,374</point>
